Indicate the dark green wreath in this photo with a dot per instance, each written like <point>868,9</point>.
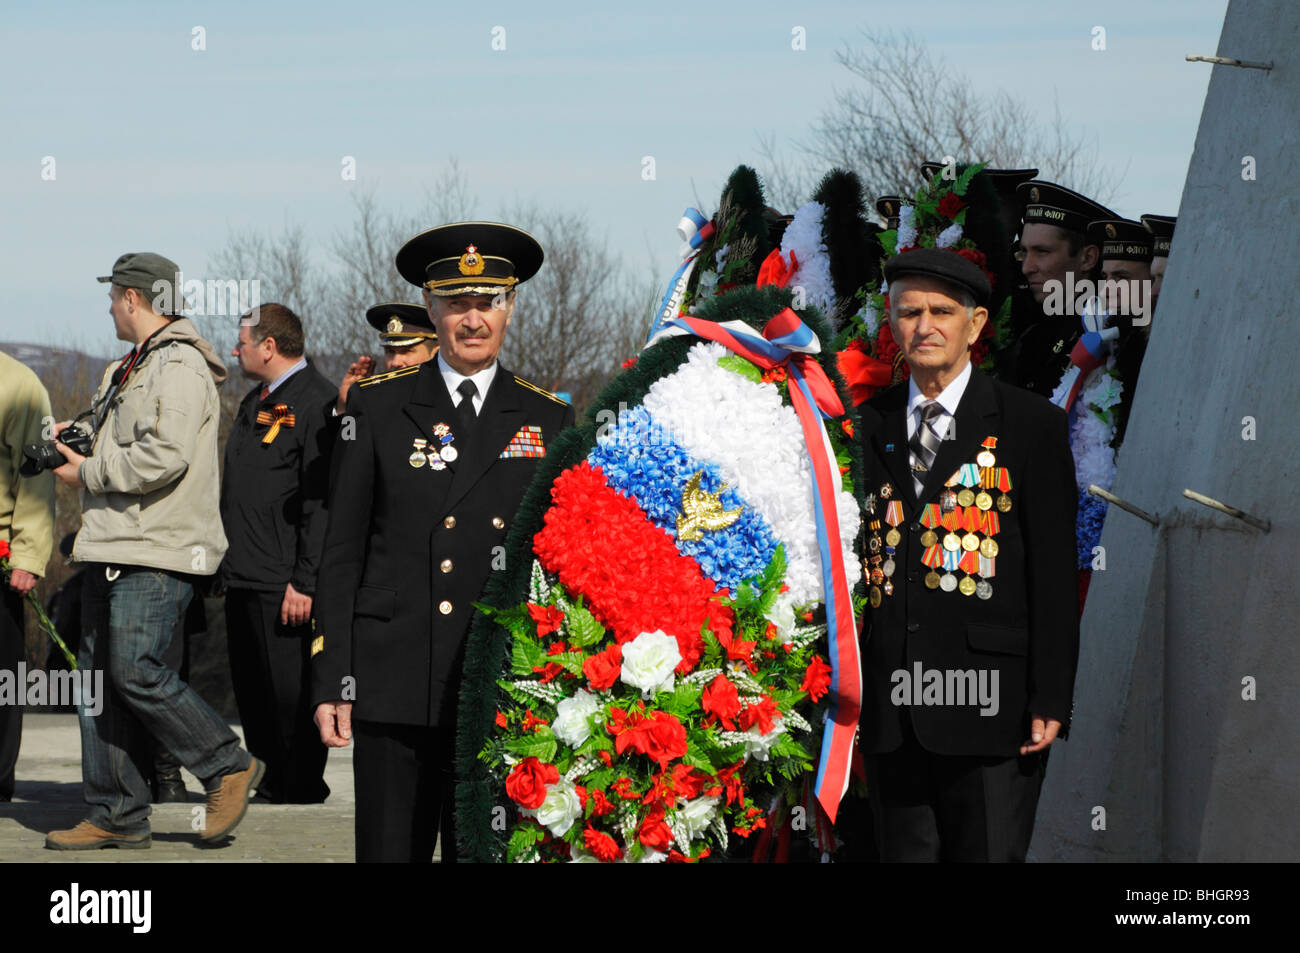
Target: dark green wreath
<point>487,652</point>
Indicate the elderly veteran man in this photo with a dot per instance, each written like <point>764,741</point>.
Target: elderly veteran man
<point>972,636</point>
<point>423,496</point>
<point>407,336</point>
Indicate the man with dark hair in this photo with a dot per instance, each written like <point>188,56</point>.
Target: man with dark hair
<point>273,498</point>
<point>972,641</point>
<point>150,524</point>
<point>1055,254</point>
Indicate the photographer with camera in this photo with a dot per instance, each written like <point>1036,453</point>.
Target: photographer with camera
<point>26,527</point>
<point>150,525</point>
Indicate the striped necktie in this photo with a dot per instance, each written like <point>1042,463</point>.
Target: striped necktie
<point>924,444</point>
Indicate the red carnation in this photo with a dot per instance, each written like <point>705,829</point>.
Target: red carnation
<point>526,784</point>
<point>603,847</point>
<point>654,833</point>
<point>660,737</point>
<point>548,618</point>
<point>760,713</point>
<point>600,805</point>
<point>720,701</point>
<point>950,205</point>
<point>4,548</point>
<point>816,678</point>
<point>603,668</point>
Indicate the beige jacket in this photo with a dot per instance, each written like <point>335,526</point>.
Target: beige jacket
<point>26,503</point>
<point>152,488</point>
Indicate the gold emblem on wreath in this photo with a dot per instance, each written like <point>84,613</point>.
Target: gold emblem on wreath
<point>702,511</point>
<point>1110,231</point>
<point>394,325</point>
<point>471,263</point>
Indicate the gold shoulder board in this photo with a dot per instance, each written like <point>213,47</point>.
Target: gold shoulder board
<point>377,378</point>
<point>539,390</point>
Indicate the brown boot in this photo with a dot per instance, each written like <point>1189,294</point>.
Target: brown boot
<point>227,804</point>
<point>86,836</point>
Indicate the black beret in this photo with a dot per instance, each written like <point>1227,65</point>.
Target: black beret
<point>944,265</point>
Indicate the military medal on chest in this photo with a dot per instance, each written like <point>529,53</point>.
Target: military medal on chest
<point>446,449</point>
<point>437,453</point>
<point>971,523</point>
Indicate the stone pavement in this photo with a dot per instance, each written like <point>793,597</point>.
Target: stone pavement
<point>48,797</point>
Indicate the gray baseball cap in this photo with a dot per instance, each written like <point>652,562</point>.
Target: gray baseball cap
<point>141,269</point>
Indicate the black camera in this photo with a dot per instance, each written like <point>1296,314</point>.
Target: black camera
<point>38,457</point>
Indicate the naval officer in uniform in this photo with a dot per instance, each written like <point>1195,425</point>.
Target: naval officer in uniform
<point>407,337</point>
<point>432,462</point>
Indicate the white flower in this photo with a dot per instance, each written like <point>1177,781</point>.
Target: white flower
<point>560,809</point>
<point>572,723</point>
<point>773,475</point>
<point>696,815</point>
<point>648,662</point>
<point>757,744</point>
<point>906,228</point>
<point>949,236</point>
<point>803,236</point>
<point>578,856</point>
<point>781,615</point>
<point>870,319</point>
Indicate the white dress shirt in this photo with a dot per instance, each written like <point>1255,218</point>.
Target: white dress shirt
<point>482,381</point>
<point>948,399</point>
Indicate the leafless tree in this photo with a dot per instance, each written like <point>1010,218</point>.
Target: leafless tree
<point>904,109</point>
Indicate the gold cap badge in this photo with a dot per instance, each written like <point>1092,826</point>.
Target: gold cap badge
<point>394,325</point>
<point>1033,194</point>
<point>1110,231</point>
<point>471,263</point>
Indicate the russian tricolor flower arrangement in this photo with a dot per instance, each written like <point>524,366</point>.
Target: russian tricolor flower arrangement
<point>669,661</point>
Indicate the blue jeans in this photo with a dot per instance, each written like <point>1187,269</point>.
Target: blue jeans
<point>127,625</point>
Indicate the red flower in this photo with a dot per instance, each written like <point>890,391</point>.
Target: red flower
<point>675,856</point>
<point>601,846</point>
<point>660,737</point>
<point>950,205</point>
<point>555,648</point>
<point>603,668</point>
<point>630,362</point>
<point>729,782</point>
<point>623,788</point>
<point>816,678</point>
<point>549,671</point>
<point>683,781</point>
<point>721,702</point>
<point>501,720</point>
<point>760,714</point>
<point>4,548</point>
<point>526,783</point>
<point>531,722</point>
<point>600,805</point>
<point>607,758</point>
<point>773,271</point>
<point>548,618</point>
<point>654,833</point>
<point>737,649</point>
<point>847,426</point>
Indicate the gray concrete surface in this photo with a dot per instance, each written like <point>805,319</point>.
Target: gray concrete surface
<point>48,797</point>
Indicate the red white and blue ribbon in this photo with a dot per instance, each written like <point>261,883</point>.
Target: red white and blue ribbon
<point>694,229</point>
<point>786,340</point>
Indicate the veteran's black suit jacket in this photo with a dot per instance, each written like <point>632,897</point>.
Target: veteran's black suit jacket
<point>1029,629</point>
<point>408,550</point>
<point>273,494</point>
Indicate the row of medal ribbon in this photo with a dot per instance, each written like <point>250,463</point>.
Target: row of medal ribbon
<point>963,509</point>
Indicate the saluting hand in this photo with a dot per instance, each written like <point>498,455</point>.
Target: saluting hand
<point>363,366</point>
<point>1043,733</point>
<point>295,608</point>
<point>334,719</point>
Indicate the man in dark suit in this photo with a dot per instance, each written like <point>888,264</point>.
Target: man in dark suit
<point>972,639</point>
<point>273,496</point>
<point>432,461</point>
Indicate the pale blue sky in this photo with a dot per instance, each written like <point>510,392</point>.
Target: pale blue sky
<point>162,148</point>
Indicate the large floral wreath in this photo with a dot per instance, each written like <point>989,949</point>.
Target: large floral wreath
<point>649,677</point>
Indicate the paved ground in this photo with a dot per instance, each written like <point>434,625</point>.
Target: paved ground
<point>48,797</point>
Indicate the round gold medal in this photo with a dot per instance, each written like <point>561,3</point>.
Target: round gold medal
<point>988,547</point>
<point>929,538</point>
<point>416,459</point>
<point>952,542</point>
<point>967,586</point>
<point>970,542</point>
<point>877,577</point>
<point>966,496</point>
<point>875,597</point>
<point>932,580</point>
<point>893,537</point>
<point>984,501</point>
<point>1004,503</point>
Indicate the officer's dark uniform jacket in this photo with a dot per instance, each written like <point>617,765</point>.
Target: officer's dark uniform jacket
<point>273,495</point>
<point>1028,629</point>
<point>409,549</point>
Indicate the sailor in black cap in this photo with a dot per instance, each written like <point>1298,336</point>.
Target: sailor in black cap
<point>423,498</point>
<point>407,336</point>
<point>1161,228</point>
<point>1055,255</point>
<point>970,546</point>
<point>1127,249</point>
